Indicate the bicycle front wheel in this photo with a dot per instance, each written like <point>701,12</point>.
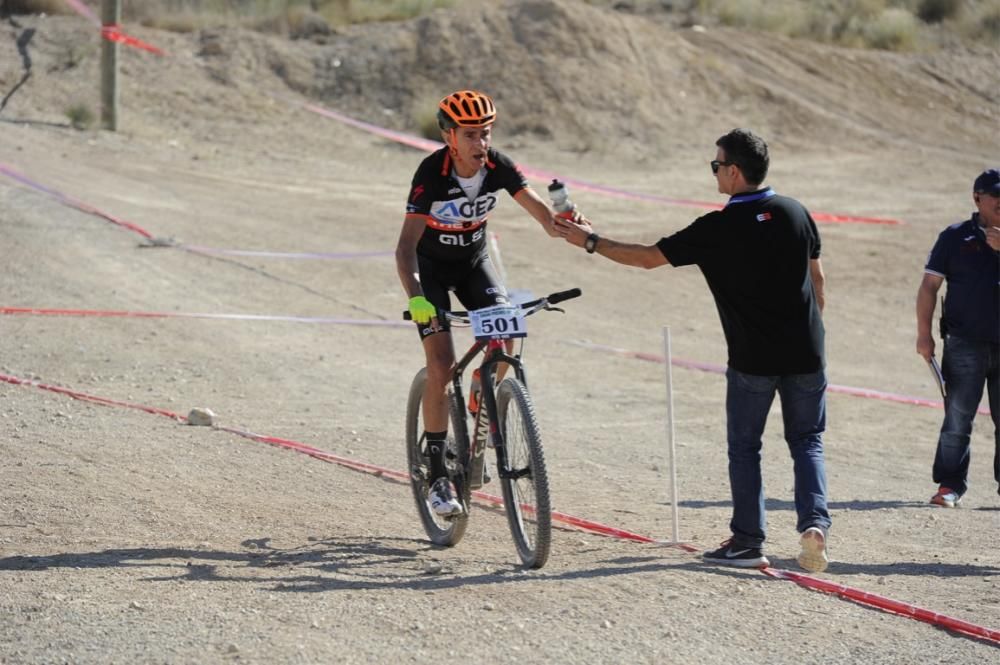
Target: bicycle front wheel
<point>525,482</point>
<point>441,531</point>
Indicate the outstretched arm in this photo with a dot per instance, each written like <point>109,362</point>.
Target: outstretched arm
<point>537,208</point>
<point>629,254</point>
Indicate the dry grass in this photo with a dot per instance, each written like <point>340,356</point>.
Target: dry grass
<point>80,116</point>
<point>883,24</point>
<point>424,116</point>
<point>35,7</point>
<point>982,22</point>
<point>896,25</point>
<point>291,17</point>
<point>856,23</point>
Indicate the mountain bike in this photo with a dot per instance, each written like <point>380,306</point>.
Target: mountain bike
<point>502,418</point>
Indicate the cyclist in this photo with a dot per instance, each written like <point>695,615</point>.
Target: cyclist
<point>442,247</point>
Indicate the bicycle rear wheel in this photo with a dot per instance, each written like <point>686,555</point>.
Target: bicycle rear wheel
<point>525,482</point>
<point>441,531</point>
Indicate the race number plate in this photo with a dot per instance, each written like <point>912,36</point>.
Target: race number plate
<point>498,322</point>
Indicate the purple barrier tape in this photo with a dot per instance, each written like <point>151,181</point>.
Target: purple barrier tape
<point>288,255</point>
<point>91,210</point>
<point>84,11</point>
<point>428,145</point>
<point>719,369</point>
<point>71,202</point>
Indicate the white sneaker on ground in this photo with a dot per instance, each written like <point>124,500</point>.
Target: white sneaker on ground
<point>813,555</point>
<point>442,499</point>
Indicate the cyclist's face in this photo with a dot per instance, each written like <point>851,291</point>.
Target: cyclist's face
<point>471,145</point>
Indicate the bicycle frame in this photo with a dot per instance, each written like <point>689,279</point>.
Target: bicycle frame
<point>494,354</point>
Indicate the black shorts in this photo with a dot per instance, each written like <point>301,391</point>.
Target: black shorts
<point>475,283</point>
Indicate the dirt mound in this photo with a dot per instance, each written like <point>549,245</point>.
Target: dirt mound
<point>591,79</point>
<point>595,79</point>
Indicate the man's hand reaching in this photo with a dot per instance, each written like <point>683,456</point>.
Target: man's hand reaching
<point>574,229</point>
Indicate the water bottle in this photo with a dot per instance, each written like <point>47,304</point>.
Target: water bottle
<point>560,199</point>
<point>474,392</point>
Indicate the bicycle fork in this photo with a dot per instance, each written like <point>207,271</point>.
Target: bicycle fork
<point>486,429</point>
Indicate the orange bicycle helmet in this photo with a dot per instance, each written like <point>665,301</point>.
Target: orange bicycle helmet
<point>466,108</point>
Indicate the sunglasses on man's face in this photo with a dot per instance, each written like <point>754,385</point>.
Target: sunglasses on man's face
<point>716,164</point>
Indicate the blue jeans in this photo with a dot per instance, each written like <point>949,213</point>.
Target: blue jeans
<point>803,407</point>
<point>966,365</point>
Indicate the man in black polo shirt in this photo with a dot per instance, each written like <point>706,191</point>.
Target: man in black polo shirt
<point>760,257</point>
<point>966,255</point>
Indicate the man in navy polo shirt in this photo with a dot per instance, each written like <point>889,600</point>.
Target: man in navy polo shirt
<point>966,255</point>
<point>760,257</point>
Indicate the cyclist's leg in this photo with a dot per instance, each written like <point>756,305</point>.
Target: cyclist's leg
<point>482,287</point>
<point>439,357</point>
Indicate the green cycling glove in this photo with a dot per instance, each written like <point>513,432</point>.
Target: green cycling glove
<point>421,309</point>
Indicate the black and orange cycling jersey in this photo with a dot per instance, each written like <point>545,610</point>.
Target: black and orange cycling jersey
<point>456,221</point>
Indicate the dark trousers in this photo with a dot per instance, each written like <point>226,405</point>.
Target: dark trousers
<point>803,408</point>
<point>966,366</point>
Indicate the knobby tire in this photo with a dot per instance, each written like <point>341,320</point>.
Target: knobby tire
<point>526,498</point>
<point>441,531</point>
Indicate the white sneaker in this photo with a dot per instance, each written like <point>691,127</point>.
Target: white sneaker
<point>813,555</point>
<point>946,498</point>
<point>442,499</point>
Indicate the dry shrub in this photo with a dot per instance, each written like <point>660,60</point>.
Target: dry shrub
<point>857,23</point>
<point>393,10</point>
<point>180,22</point>
<point>35,6</point>
<point>304,23</point>
<point>787,18</point>
<point>895,29</point>
<point>281,16</point>
<point>935,11</point>
<point>981,22</point>
<point>80,116</point>
<point>424,116</point>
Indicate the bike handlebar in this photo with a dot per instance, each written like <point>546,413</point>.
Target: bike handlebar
<point>532,305</point>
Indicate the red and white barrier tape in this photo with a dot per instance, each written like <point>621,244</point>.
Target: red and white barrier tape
<point>113,32</point>
<point>886,604</point>
<point>857,595</point>
<point>719,369</point>
<point>489,499</point>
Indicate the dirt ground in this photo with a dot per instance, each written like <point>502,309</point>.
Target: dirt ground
<point>127,537</point>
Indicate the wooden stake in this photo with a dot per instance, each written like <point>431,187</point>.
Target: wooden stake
<point>111,14</point>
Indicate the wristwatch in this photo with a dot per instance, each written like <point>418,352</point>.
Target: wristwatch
<point>590,244</point>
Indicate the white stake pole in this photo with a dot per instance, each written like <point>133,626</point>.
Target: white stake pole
<point>670,435</point>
